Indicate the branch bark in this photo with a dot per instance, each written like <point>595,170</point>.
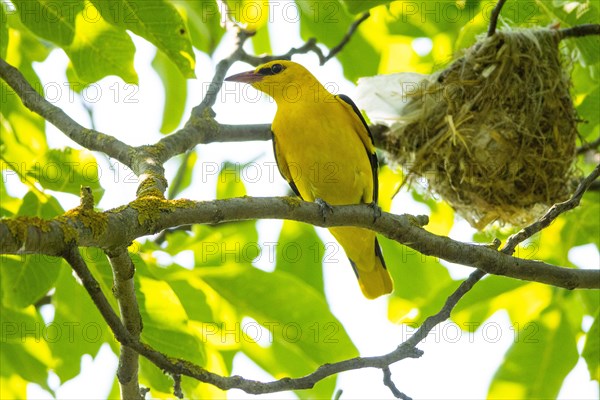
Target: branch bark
<point>88,138</point>
<point>494,17</point>
<point>124,291</point>
<point>152,215</point>
<point>580,31</point>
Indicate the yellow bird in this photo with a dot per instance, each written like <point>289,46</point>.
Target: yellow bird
<point>324,150</point>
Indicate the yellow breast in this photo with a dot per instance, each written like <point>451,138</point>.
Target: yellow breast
<point>321,146</point>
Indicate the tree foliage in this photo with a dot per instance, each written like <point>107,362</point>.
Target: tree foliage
<point>209,313</point>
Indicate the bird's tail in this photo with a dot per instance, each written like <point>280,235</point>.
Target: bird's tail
<point>364,252</point>
<point>375,281</point>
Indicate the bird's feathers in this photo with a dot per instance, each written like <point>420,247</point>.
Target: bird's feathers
<point>324,150</point>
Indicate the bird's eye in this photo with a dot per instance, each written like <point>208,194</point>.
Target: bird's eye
<point>276,68</point>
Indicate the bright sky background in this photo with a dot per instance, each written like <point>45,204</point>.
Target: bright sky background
<point>456,364</point>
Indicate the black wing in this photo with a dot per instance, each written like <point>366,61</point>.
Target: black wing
<point>287,176</point>
<point>372,156</point>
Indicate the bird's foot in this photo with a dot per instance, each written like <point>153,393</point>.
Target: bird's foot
<point>376,210</point>
<point>325,207</point>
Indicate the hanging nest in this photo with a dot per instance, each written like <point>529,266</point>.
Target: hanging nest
<point>494,133</point>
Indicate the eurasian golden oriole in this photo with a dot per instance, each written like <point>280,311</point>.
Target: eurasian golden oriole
<point>324,150</point>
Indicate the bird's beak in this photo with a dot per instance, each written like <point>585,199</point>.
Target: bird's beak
<point>246,77</point>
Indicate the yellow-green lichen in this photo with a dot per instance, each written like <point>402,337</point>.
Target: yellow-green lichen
<point>152,186</point>
<point>293,201</point>
<point>70,234</point>
<point>19,226</point>
<point>149,208</point>
<point>96,222</point>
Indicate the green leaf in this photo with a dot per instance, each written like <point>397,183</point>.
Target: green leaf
<point>26,279</point>
<point>591,349</point>
<point>9,204</point>
<point>96,40</point>
<point>183,177</point>
<point>539,360</point>
<point>356,6</point>
<point>67,170</point>
<point>82,329</point>
<point>261,41</point>
<point>582,223</point>
<point>166,322</point>
<point>291,310</point>
<point>421,283</point>
<point>280,360</point>
<point>25,351</point>
<point>157,21</point>
<point>574,13</point>
<point>204,22</point>
<point>484,299</point>
<point>328,21</point>
<point>3,32</point>
<point>300,252</point>
<point>79,28</point>
<point>45,207</point>
<point>97,262</point>
<point>175,86</point>
<point>230,183</point>
<point>193,300</point>
<point>53,21</point>
<point>588,111</point>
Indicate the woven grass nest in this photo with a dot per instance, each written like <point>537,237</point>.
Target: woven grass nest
<point>495,132</point>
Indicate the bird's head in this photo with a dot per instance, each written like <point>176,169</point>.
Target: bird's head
<point>279,79</point>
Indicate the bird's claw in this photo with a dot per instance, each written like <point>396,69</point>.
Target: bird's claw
<point>376,210</point>
<point>324,207</point>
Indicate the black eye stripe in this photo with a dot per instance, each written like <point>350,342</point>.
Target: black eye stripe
<point>272,70</point>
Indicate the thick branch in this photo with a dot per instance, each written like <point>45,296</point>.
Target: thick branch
<point>123,225</point>
<point>124,291</point>
<point>88,138</point>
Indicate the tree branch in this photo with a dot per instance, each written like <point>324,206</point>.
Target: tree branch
<point>580,31</point>
<point>124,291</point>
<point>387,381</point>
<point>585,147</point>
<point>494,17</point>
<point>20,235</point>
<point>88,138</point>
<point>146,161</point>
<point>553,213</point>
<point>177,366</point>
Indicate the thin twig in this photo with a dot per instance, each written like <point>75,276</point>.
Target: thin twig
<point>309,46</point>
<point>91,285</point>
<point>580,31</point>
<point>387,381</point>
<point>585,147</point>
<point>88,138</point>
<point>177,392</point>
<point>346,37</point>
<point>494,17</point>
<point>552,213</point>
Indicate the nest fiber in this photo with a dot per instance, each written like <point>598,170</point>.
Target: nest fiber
<point>494,134</point>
